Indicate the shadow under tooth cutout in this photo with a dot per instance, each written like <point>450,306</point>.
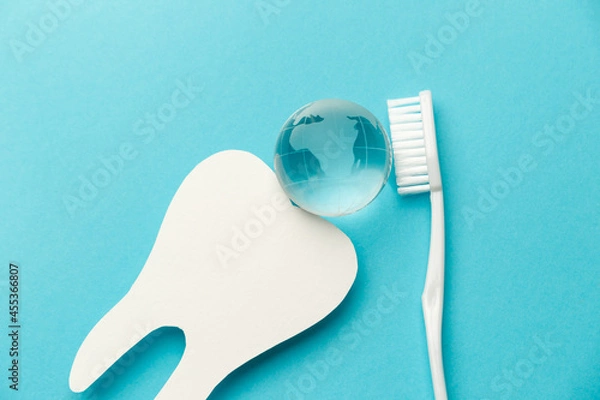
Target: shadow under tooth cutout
<point>236,267</point>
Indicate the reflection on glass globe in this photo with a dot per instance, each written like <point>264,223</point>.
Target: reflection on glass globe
<point>332,157</point>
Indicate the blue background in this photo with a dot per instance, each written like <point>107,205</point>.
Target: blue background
<point>521,268</point>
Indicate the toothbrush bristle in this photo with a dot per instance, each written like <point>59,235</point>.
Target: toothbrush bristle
<point>408,144</point>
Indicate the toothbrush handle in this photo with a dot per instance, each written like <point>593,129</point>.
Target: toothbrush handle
<point>433,296</point>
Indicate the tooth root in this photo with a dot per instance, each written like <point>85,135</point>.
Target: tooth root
<point>121,328</point>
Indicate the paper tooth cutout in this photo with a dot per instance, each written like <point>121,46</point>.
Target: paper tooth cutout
<point>236,267</point>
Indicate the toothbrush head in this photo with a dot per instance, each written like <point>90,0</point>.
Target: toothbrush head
<point>414,144</point>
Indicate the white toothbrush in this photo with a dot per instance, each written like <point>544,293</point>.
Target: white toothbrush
<point>418,171</point>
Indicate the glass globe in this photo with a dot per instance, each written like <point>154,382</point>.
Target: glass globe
<point>332,157</point>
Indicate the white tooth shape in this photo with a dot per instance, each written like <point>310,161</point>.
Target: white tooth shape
<point>236,267</point>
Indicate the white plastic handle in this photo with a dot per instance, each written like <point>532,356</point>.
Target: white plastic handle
<point>433,295</point>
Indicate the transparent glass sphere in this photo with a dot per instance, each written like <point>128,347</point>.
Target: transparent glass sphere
<point>332,157</point>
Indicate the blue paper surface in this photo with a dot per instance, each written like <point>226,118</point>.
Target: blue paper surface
<point>106,106</point>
